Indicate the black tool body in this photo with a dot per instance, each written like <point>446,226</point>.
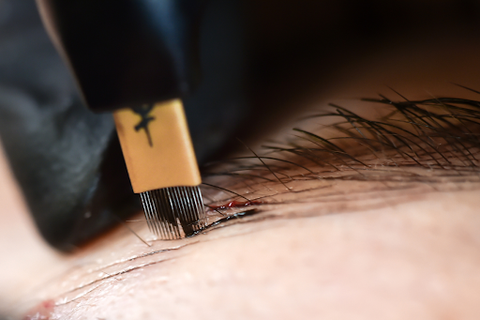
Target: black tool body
<point>127,52</point>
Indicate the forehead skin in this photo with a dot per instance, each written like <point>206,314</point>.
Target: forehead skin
<point>414,256</point>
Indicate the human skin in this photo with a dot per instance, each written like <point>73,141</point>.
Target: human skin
<point>363,251</point>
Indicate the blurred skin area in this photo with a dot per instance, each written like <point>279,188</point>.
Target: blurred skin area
<point>389,253</point>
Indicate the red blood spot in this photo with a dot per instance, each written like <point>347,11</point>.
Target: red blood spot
<point>42,311</point>
<point>235,204</point>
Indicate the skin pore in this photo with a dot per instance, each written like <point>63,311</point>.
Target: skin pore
<point>383,224</point>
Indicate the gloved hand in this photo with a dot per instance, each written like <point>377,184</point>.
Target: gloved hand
<point>66,159</point>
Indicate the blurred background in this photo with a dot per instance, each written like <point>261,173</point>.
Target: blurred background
<point>300,48</point>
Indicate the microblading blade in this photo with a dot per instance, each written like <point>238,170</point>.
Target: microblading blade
<point>174,212</point>
<point>162,167</point>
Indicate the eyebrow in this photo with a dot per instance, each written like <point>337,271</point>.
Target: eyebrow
<point>407,147</point>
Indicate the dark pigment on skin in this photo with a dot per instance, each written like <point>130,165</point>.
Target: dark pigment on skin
<point>235,204</point>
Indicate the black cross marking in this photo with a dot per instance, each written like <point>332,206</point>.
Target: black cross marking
<point>144,112</point>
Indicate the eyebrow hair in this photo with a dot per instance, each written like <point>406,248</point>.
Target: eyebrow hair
<point>406,146</point>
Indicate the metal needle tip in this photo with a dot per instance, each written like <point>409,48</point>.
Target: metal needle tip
<point>174,212</point>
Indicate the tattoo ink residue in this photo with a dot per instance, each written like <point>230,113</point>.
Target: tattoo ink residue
<point>42,311</point>
<point>144,112</point>
<point>236,210</point>
<point>235,204</point>
<point>213,225</point>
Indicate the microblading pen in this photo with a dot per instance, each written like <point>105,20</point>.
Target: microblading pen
<point>137,59</point>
